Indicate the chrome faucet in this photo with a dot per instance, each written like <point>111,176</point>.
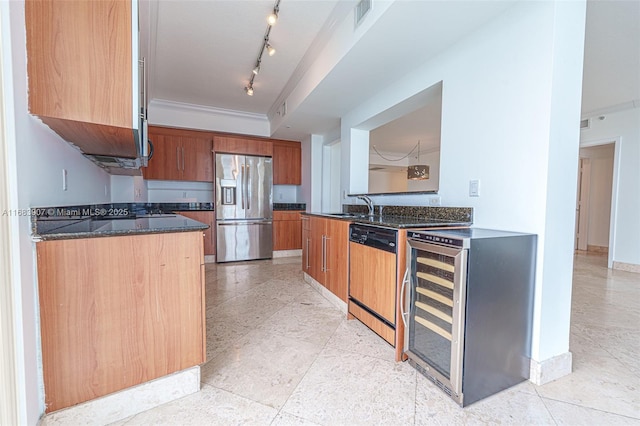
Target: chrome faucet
<point>368,202</point>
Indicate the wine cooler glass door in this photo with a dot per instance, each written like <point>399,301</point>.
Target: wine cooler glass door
<point>436,311</point>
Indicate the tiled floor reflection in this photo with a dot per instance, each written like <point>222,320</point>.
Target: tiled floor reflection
<point>280,354</point>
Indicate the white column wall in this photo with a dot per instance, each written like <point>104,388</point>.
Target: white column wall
<point>508,121</point>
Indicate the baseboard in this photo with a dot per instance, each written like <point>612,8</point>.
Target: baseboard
<point>287,253</point>
<point>335,300</point>
<point>597,249</point>
<point>128,402</point>
<point>546,371</point>
<point>629,267</point>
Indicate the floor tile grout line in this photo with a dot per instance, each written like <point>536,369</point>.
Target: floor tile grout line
<point>547,408</point>
<point>588,408</point>
<point>307,372</point>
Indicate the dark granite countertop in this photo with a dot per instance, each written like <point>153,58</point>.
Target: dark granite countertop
<point>399,222</point>
<point>59,228</point>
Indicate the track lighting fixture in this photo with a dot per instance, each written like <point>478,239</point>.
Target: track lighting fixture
<point>271,20</point>
<point>270,50</point>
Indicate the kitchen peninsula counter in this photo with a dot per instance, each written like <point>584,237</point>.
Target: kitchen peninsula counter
<point>122,299</point>
<point>107,220</point>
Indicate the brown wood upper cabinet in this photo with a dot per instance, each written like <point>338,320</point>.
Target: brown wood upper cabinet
<point>180,156</point>
<point>241,145</point>
<point>286,163</point>
<point>82,62</point>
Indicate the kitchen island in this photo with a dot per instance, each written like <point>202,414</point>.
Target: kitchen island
<point>121,301</point>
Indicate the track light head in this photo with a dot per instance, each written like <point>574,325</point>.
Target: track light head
<point>272,19</point>
<point>249,90</point>
<point>270,50</point>
<point>256,70</point>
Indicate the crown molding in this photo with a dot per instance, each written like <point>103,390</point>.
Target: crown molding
<point>187,107</point>
<point>611,109</point>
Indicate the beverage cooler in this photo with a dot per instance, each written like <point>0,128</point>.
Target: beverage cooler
<point>468,309</point>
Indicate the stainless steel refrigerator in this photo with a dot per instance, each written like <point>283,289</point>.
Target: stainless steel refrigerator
<point>244,209</point>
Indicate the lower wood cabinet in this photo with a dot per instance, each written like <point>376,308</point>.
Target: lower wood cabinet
<point>287,230</point>
<point>208,217</point>
<point>325,253</point>
<point>118,311</point>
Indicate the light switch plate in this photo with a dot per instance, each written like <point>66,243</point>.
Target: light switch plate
<point>474,188</point>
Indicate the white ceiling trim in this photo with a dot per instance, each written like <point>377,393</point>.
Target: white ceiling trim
<point>164,103</point>
<point>614,108</point>
<point>191,116</point>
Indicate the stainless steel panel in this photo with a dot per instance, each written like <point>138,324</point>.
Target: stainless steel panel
<point>229,180</point>
<point>258,187</point>
<point>243,240</point>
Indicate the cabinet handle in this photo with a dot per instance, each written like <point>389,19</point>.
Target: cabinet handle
<point>308,266</point>
<point>178,157</point>
<point>323,267</point>
<point>404,314</point>
<point>326,258</point>
<point>183,158</point>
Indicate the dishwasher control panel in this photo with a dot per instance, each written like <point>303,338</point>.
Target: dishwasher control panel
<point>376,237</point>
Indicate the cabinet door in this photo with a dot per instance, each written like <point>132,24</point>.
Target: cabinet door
<point>287,230</point>
<point>239,145</point>
<point>373,279</point>
<point>337,257</point>
<point>166,162</point>
<point>286,163</point>
<point>197,159</point>
<point>317,249</point>
<point>79,65</point>
<point>207,217</point>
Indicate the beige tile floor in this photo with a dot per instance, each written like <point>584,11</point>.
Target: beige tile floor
<point>280,354</point>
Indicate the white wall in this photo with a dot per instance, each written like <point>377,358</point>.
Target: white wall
<point>601,181</point>
<point>170,191</point>
<point>38,156</point>
<point>511,93</point>
<point>175,114</point>
<point>285,193</point>
<point>625,127</point>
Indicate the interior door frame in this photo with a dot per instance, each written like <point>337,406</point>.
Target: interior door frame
<point>582,201</point>
<point>614,190</point>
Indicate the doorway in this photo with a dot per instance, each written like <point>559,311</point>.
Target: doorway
<point>594,200</point>
<point>331,164</point>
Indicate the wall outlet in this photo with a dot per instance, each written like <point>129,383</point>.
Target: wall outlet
<point>474,188</point>
<point>434,201</point>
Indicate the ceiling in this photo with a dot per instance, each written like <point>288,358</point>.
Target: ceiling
<point>202,53</point>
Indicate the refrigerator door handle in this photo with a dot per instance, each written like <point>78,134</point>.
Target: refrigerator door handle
<point>247,187</point>
<point>242,185</point>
